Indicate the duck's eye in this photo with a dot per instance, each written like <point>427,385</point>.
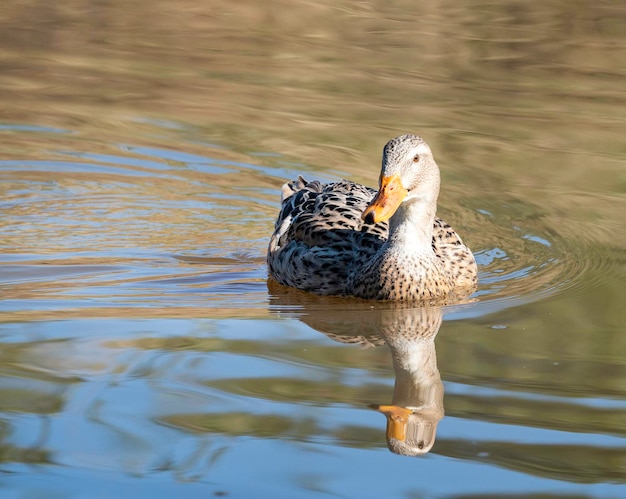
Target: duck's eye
<point>416,158</point>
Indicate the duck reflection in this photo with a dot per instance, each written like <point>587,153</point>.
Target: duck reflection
<point>417,402</point>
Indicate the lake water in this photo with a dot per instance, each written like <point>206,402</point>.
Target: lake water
<point>142,150</point>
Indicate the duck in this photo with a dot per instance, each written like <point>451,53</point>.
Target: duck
<point>346,239</point>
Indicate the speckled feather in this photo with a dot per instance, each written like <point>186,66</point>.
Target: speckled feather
<point>320,241</point>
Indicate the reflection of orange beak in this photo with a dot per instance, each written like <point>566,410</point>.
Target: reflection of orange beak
<point>397,418</point>
<point>386,201</point>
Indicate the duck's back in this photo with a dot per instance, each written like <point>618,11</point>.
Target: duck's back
<point>319,237</point>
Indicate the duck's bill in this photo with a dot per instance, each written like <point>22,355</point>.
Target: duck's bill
<point>387,199</point>
<point>397,419</point>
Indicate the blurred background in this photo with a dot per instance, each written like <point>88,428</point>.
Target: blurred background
<point>142,150</point>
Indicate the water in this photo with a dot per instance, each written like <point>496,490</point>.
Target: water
<point>142,150</point>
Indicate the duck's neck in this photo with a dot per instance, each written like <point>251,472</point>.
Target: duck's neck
<point>411,227</point>
<point>418,382</point>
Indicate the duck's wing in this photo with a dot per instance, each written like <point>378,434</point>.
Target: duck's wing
<point>456,258</point>
<point>319,237</point>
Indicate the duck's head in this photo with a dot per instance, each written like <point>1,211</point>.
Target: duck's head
<point>408,172</point>
<point>410,432</point>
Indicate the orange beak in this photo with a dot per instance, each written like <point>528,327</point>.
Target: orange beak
<point>397,418</point>
<point>386,201</point>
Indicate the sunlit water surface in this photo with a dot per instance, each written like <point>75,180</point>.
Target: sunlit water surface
<point>143,350</point>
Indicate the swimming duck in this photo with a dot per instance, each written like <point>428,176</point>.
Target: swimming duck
<point>343,238</point>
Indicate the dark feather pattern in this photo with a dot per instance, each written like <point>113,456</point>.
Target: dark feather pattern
<point>321,244</point>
